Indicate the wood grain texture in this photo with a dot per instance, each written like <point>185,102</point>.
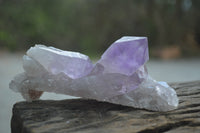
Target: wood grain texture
<point>90,116</point>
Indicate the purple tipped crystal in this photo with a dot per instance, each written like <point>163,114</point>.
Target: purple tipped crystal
<point>125,55</point>
<point>119,77</point>
<point>55,61</point>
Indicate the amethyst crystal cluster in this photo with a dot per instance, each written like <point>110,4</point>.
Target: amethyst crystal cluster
<point>119,77</point>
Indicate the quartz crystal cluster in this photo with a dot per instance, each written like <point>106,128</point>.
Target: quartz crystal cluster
<point>119,77</point>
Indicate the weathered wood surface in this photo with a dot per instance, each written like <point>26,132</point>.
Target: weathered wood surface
<point>90,116</point>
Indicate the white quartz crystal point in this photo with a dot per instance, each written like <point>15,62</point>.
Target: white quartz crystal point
<point>41,62</point>
<point>55,61</point>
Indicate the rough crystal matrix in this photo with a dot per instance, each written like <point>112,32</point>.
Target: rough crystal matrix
<point>119,77</point>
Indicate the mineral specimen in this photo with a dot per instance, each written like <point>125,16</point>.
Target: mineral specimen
<point>119,77</point>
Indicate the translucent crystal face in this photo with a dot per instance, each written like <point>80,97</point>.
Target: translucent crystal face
<point>126,55</point>
<point>119,77</point>
<point>55,61</point>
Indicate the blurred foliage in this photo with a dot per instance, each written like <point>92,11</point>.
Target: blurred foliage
<point>90,26</point>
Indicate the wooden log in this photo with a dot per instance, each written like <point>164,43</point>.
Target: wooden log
<point>90,116</point>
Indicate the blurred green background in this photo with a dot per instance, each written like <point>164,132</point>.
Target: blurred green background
<point>90,26</point>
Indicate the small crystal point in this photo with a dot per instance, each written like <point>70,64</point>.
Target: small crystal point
<point>119,77</point>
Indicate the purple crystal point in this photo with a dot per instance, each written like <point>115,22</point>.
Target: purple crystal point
<point>119,77</point>
<point>125,55</point>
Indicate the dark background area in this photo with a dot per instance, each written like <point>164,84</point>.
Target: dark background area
<point>90,26</point>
